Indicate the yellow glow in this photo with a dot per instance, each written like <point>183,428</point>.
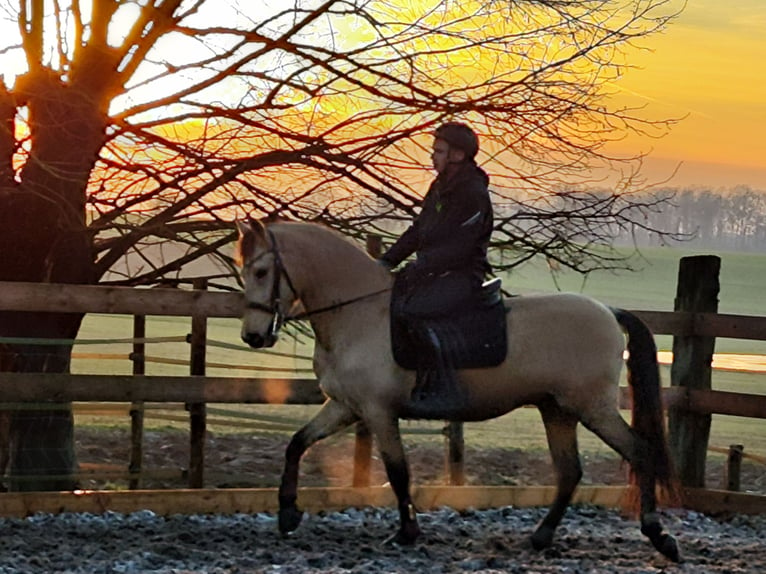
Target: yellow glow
<point>709,66</point>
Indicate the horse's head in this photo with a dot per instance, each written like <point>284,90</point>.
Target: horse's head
<point>268,290</point>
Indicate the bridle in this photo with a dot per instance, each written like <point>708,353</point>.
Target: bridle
<point>274,306</point>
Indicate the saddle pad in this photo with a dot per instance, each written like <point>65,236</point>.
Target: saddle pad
<point>475,338</point>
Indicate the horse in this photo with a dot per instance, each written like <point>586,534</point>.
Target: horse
<point>565,354</point>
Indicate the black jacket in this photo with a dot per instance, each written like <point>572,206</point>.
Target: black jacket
<point>452,231</point>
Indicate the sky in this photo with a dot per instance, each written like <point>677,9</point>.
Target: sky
<point>709,67</point>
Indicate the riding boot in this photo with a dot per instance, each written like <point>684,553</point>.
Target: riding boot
<point>436,382</point>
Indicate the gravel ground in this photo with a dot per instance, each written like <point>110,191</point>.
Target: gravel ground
<point>590,540</point>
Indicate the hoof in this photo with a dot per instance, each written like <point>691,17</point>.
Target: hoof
<point>664,543</point>
<point>289,519</point>
<point>406,536</point>
<point>668,547</point>
<point>542,538</point>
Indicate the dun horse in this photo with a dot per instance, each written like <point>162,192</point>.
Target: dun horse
<point>565,353</point>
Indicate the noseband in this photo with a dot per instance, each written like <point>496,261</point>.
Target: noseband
<point>274,306</point>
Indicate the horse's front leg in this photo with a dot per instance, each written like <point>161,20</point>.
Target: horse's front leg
<point>386,432</point>
<point>331,418</point>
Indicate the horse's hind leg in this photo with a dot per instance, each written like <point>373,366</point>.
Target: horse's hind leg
<point>561,431</point>
<point>386,432</point>
<point>615,432</point>
<point>331,418</point>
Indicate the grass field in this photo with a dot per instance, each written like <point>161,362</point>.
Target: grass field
<point>652,288</point>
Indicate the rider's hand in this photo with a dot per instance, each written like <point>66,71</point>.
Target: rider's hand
<point>385,264</point>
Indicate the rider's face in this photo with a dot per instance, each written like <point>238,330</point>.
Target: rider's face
<point>442,155</point>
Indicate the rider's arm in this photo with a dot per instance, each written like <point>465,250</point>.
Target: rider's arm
<point>403,247</point>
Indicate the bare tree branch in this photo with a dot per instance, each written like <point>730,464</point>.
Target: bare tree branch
<point>324,110</point>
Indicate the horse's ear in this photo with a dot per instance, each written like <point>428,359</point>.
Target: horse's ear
<point>250,232</point>
<point>250,226</point>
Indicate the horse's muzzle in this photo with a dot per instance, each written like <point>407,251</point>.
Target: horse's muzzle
<point>258,341</point>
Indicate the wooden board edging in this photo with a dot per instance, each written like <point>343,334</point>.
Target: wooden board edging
<point>254,500</point>
<point>723,501</point>
<point>310,499</point>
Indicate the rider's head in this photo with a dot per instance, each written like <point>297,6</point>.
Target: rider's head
<point>454,143</point>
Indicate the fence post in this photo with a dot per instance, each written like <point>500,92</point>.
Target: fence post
<point>137,407</point>
<point>197,411</point>
<point>363,440</point>
<point>697,292</point>
<point>453,431</point>
<point>362,455</point>
<point>734,466</point>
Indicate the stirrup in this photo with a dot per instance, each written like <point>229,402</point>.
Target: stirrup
<point>423,380</point>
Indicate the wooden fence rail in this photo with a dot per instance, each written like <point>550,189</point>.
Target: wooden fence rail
<point>55,387</point>
<point>20,296</point>
<point>196,389</point>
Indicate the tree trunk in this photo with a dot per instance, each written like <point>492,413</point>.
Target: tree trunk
<point>41,439</point>
<point>41,449</point>
<point>44,238</point>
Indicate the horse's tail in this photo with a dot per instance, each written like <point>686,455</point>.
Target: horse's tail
<point>648,418</point>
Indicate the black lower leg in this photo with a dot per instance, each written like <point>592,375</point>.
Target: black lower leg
<point>289,514</point>
<point>561,432</point>
<point>399,477</point>
<point>651,527</point>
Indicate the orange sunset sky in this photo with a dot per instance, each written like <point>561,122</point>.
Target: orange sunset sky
<point>710,65</point>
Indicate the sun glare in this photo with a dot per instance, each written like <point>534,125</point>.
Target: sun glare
<point>121,23</point>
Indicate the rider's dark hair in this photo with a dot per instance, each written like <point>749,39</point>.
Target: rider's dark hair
<point>459,136</point>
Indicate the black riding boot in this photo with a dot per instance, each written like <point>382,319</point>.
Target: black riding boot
<point>436,384</point>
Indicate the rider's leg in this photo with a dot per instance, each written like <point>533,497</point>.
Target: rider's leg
<point>436,376</point>
<point>427,310</point>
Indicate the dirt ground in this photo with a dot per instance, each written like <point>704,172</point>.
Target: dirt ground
<point>255,460</point>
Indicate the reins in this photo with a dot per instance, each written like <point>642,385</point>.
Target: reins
<point>275,302</point>
<point>335,306</point>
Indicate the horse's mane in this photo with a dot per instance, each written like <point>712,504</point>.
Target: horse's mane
<point>330,244</point>
<point>338,241</point>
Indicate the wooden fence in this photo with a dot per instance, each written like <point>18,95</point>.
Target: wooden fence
<point>692,324</point>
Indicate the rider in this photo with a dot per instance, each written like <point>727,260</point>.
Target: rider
<point>450,238</point>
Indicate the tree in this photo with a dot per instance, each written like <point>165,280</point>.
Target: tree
<point>137,123</point>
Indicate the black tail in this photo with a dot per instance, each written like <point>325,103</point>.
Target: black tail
<point>644,379</point>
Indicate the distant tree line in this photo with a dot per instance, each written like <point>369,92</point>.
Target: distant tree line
<point>732,219</point>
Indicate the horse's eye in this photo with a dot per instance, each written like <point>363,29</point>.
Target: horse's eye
<point>261,273</point>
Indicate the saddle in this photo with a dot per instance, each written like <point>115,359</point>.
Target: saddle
<point>474,336</point>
